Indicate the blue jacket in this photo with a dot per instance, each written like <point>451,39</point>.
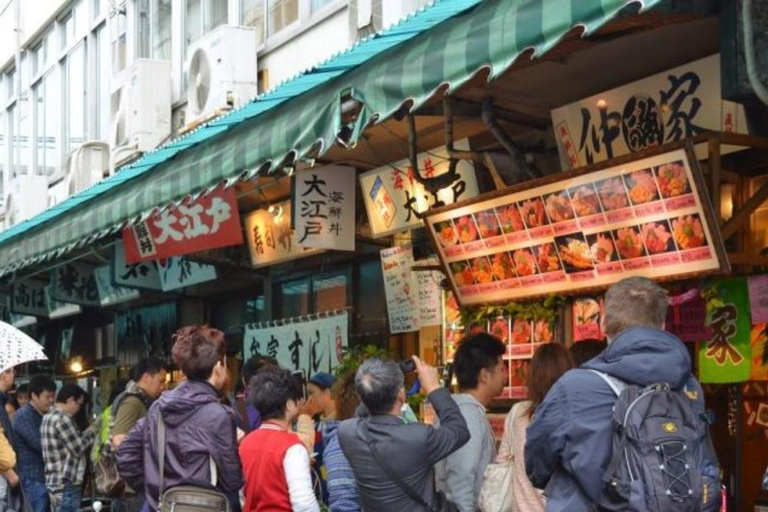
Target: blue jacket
<point>343,495</point>
<point>568,444</point>
<point>28,444</point>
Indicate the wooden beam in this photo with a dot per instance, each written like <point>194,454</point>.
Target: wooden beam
<point>497,179</point>
<point>738,139</point>
<point>742,215</point>
<point>714,176</point>
<point>741,259</point>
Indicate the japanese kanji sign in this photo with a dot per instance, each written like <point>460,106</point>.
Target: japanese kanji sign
<point>76,283</point>
<point>57,309</point>
<point>28,298</point>
<point>210,222</point>
<point>401,289</point>
<point>727,355</point>
<point>663,108</point>
<point>590,228</point>
<point>109,294</point>
<point>313,346</point>
<point>270,237</point>
<point>393,198</point>
<point>325,208</point>
<point>143,275</point>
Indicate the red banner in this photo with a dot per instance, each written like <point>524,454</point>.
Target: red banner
<point>210,222</point>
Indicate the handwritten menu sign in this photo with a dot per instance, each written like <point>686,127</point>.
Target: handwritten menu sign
<point>430,295</point>
<point>649,217</point>
<point>400,289</point>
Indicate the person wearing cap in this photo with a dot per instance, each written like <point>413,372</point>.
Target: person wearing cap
<point>319,391</point>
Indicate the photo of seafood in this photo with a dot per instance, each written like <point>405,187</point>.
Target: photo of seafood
<point>641,186</point>
<point>500,329</point>
<point>658,237</point>
<point>462,273</point>
<point>629,243</point>
<point>525,263</point>
<point>574,253</point>
<point>521,331</point>
<point>546,258</point>
<point>689,232</point>
<point>502,265</point>
<point>543,332</point>
<point>532,211</point>
<point>482,270</point>
<point>487,224</point>
<point>602,247</point>
<point>612,193</point>
<point>510,219</point>
<point>466,229</point>
<point>519,370</point>
<point>584,200</point>
<point>672,179</point>
<point>558,207</point>
<point>446,233</point>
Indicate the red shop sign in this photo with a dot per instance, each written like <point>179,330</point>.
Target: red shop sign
<point>209,222</point>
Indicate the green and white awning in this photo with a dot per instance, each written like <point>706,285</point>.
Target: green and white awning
<point>444,44</point>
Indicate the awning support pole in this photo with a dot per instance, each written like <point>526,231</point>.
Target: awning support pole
<point>501,136</point>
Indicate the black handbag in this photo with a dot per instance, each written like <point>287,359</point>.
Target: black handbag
<point>440,502</point>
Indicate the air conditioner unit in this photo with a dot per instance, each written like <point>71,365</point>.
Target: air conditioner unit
<point>86,166</point>
<point>221,72</point>
<point>28,197</point>
<point>140,114</point>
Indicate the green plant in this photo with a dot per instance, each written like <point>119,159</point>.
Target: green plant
<point>352,357</point>
<point>533,310</point>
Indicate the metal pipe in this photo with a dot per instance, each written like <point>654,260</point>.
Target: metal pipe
<point>501,136</point>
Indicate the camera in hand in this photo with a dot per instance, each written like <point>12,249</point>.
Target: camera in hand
<point>407,366</point>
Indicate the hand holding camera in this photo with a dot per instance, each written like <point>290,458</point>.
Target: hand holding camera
<point>428,376</point>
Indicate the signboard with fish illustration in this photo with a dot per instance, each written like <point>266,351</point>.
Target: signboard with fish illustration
<point>584,229</point>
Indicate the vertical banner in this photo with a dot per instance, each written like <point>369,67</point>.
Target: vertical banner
<point>687,318</point>
<point>400,289</point>
<point>726,356</point>
<point>759,340</point>
<point>758,298</point>
<point>325,202</point>
<point>312,346</point>
<point>209,222</point>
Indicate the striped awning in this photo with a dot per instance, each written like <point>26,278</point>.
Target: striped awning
<point>443,45</point>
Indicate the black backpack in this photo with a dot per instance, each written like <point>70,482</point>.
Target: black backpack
<point>659,453</point>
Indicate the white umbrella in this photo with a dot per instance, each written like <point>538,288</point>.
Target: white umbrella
<point>17,348</point>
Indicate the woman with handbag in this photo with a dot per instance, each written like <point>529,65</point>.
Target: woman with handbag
<point>549,363</point>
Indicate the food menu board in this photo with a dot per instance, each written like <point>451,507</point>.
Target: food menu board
<point>648,217</point>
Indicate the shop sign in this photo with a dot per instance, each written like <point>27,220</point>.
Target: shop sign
<point>109,294</point>
<point>430,295</point>
<point>325,208</point>
<point>28,298</point>
<point>270,237</point>
<point>76,283</point>
<point>400,289</point>
<point>394,200</point>
<point>758,298</point>
<point>58,309</point>
<point>649,217</point>
<point>145,330</point>
<point>142,275</point>
<point>311,346</point>
<point>663,108</point>
<point>176,273</point>
<point>209,222</point>
<point>726,356</point>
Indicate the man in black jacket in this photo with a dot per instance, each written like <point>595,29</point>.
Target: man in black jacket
<point>408,450</point>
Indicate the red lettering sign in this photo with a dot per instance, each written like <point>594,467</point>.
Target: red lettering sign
<point>516,238</point>
<point>678,203</point>
<point>454,251</point>
<point>620,215</point>
<point>209,222</point>
<point>654,208</point>
<point>593,221</point>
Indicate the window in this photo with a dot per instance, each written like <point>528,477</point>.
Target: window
<point>280,14</point>
<point>102,79</point>
<point>292,298</point>
<point>153,29</point>
<point>99,8</point>
<point>20,156</point>
<point>143,36</point>
<point>316,5</point>
<point>67,31</point>
<point>10,84</point>
<point>314,294</point>
<point>252,15</point>
<point>47,105</point>
<point>41,55</point>
<point>329,293</point>
<point>3,154</point>
<point>81,19</point>
<point>75,98</point>
<point>117,32</point>
<point>202,16</point>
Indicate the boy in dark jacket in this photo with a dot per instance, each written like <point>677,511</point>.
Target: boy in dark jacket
<point>568,444</point>
<point>198,426</point>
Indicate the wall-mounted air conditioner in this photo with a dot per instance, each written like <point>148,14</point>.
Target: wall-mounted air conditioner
<point>86,166</point>
<point>140,108</point>
<point>221,72</point>
<point>28,197</point>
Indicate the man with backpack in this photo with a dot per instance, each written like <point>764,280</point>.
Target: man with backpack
<point>128,408</point>
<point>628,430</point>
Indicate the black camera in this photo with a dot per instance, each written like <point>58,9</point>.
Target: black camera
<point>407,366</point>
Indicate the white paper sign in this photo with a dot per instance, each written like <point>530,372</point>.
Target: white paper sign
<point>392,196</point>
<point>400,289</point>
<point>663,108</point>
<point>110,294</point>
<point>57,309</point>
<point>312,346</point>
<point>325,208</point>
<point>430,296</point>
<point>270,237</point>
<point>178,273</point>
<point>28,298</point>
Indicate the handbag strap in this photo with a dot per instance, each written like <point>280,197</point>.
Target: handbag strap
<point>362,432</point>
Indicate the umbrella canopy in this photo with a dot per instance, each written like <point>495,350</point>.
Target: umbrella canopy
<point>17,348</point>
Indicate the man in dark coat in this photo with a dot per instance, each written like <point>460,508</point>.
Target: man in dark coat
<point>569,442</point>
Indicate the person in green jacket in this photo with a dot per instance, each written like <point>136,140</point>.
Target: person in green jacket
<point>106,414</point>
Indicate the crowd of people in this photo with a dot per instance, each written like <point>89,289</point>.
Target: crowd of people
<point>345,443</point>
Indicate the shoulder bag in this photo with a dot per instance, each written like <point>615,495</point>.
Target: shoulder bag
<point>498,492</point>
<point>187,498</point>
<point>440,504</point>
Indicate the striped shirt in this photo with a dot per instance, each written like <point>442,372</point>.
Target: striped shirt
<point>64,449</point>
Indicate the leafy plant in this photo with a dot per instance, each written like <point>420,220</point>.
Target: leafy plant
<point>534,310</point>
<point>353,357</point>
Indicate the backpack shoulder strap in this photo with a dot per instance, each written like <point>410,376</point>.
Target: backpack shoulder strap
<point>161,452</point>
<point>617,385</point>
